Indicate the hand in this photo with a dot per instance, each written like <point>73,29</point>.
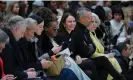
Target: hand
<point>30,70</point>
<point>46,64</point>
<point>110,47</point>
<point>31,74</point>
<point>78,59</point>
<point>56,49</point>
<point>8,77</point>
<point>84,59</point>
<point>111,55</point>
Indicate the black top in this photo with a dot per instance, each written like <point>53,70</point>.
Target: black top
<point>66,40</point>
<point>13,58</point>
<point>83,45</point>
<point>124,63</point>
<point>44,44</point>
<point>28,49</point>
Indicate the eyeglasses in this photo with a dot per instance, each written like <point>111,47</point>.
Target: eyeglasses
<point>55,29</point>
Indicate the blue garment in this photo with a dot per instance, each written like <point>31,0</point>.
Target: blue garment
<point>67,74</point>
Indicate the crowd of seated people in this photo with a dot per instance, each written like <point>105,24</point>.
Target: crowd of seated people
<point>94,34</point>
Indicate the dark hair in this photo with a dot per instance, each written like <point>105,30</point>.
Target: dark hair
<point>37,18</point>
<point>121,46</point>
<point>22,7</point>
<point>118,11</point>
<point>47,3</point>
<point>100,12</point>
<point>63,20</point>
<point>47,16</point>
<point>54,11</point>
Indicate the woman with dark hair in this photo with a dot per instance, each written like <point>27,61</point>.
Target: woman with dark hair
<point>23,5</point>
<point>48,42</point>
<point>65,34</point>
<point>12,9</point>
<point>117,26</point>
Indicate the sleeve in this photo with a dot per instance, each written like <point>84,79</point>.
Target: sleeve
<point>83,48</point>
<point>10,65</point>
<point>36,65</point>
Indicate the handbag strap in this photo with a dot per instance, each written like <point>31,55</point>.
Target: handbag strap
<point>121,29</point>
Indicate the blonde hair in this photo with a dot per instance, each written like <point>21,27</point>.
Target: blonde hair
<point>97,20</point>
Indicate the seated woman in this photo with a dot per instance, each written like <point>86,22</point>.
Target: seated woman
<point>4,39</point>
<point>48,42</point>
<point>65,36</point>
<point>118,27</point>
<point>100,49</point>
<point>29,48</point>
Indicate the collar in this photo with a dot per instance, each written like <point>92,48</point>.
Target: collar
<point>81,26</point>
<point>34,39</point>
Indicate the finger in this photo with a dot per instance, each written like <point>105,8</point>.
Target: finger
<point>32,69</point>
<point>84,58</point>
<point>9,76</point>
<point>60,46</point>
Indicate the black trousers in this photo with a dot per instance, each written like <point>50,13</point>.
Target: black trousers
<point>89,68</point>
<point>104,65</point>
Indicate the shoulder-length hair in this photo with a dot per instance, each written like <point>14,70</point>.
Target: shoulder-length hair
<point>63,20</point>
<point>10,7</point>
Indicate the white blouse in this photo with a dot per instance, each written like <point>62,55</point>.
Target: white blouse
<point>115,29</point>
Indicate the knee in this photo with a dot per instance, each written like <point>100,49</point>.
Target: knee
<point>90,63</point>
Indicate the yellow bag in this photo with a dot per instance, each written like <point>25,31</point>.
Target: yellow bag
<point>57,66</point>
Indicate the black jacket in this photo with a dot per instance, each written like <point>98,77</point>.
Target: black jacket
<point>28,49</point>
<point>13,58</point>
<point>124,63</point>
<point>44,44</point>
<point>82,42</point>
<point>66,40</point>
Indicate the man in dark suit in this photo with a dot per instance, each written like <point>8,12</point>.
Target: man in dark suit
<point>124,60</point>
<point>12,57</point>
<point>84,46</point>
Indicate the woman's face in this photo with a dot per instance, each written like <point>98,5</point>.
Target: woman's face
<point>92,26</point>
<point>39,28</point>
<point>52,30</point>
<point>15,9</point>
<point>117,17</point>
<point>70,23</point>
<point>109,15</point>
